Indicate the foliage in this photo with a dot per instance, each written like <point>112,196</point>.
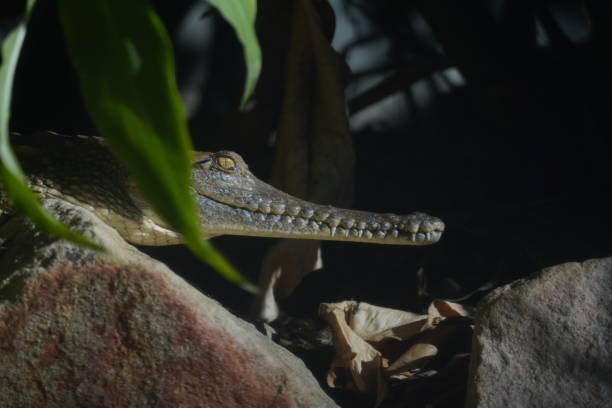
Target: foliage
<point>126,72</point>
<point>11,174</point>
<point>241,15</point>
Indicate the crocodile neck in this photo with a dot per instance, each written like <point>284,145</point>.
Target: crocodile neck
<point>230,199</point>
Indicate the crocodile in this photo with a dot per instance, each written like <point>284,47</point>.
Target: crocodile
<point>230,199</point>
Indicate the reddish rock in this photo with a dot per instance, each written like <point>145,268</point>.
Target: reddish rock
<point>78,328</point>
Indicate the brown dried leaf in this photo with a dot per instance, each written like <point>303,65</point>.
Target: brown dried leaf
<point>283,268</point>
<point>374,342</point>
<point>412,361</point>
<point>425,347</point>
<point>315,155</point>
<point>361,361</point>
<point>375,323</point>
<point>440,309</point>
<point>314,148</point>
<point>445,308</point>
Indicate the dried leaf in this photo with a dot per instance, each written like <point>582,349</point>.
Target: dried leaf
<point>375,323</point>
<point>440,309</point>
<point>361,361</point>
<point>282,270</point>
<point>314,154</point>
<point>445,308</point>
<point>374,342</point>
<point>412,361</point>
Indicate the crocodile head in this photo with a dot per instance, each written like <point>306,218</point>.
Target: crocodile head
<point>233,201</point>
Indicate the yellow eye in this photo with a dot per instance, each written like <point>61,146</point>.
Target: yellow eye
<point>226,162</point>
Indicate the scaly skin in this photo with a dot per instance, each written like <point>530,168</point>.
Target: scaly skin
<point>231,200</point>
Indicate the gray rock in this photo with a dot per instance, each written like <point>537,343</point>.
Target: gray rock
<point>80,328</point>
<point>546,341</point>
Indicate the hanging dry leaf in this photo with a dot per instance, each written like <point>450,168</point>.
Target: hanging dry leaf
<point>314,152</point>
<point>283,268</point>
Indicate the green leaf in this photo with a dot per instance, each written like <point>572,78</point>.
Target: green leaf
<point>241,15</point>
<point>123,57</point>
<point>11,175</point>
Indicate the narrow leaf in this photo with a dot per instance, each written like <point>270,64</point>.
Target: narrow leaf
<point>124,60</point>
<point>11,175</point>
<point>240,14</point>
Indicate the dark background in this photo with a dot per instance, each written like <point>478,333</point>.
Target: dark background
<point>492,115</point>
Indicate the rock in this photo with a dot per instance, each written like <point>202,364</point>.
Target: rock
<point>546,341</point>
<point>80,328</point>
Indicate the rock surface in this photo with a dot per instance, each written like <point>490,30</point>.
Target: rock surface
<point>79,328</point>
<point>546,341</point>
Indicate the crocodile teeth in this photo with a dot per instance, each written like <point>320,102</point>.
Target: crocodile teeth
<point>386,225</point>
<point>274,218</point>
<point>374,226</point>
<point>252,205</point>
<point>260,217</point>
<point>286,219</point>
<point>300,222</point>
<point>333,231</point>
<point>321,216</point>
<point>367,234</point>
<point>293,210</point>
<point>348,223</point>
<point>264,207</point>
<point>307,212</point>
<point>334,221</point>
<point>380,234</point>
<point>239,203</point>
<point>394,233</point>
<point>362,225</point>
<point>278,208</point>
<point>413,226</point>
<point>427,226</point>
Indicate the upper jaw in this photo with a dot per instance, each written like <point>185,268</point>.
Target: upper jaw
<point>234,201</point>
<point>266,211</point>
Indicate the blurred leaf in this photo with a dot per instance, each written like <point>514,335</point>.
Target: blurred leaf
<point>123,56</point>
<point>11,175</point>
<point>240,14</point>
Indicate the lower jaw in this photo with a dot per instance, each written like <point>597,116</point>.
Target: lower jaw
<point>402,238</point>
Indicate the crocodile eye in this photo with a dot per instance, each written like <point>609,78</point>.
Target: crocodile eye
<point>226,162</point>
